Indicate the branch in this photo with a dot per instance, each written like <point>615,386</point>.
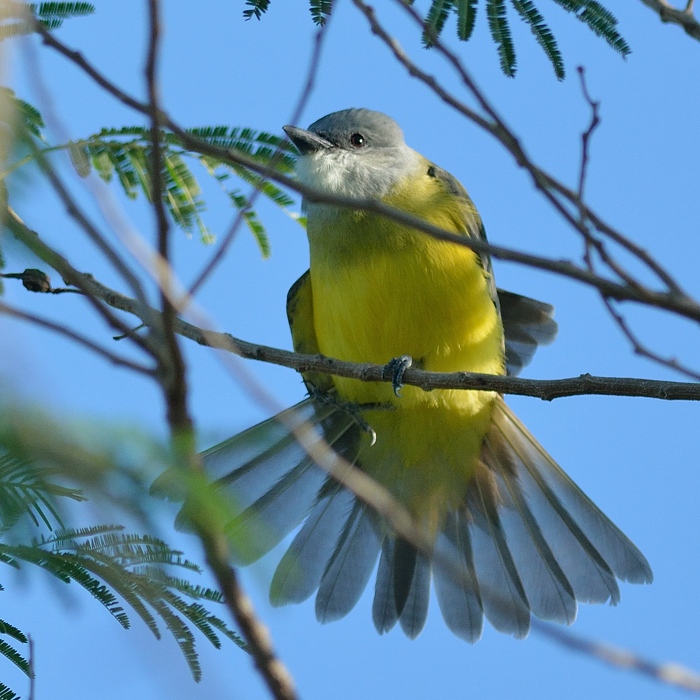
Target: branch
<point>546,389</point>
<point>77,337</point>
<point>672,300</point>
<point>667,673</point>
<point>683,18</point>
<point>271,668</point>
<point>71,276</point>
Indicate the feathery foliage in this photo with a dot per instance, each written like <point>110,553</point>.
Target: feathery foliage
<point>500,33</point>
<point>26,489</point>
<point>114,566</point>
<point>124,154</point>
<point>256,8</point>
<point>20,121</point>
<point>527,10</point>
<point>18,18</point>
<point>129,574</point>
<point>596,17</point>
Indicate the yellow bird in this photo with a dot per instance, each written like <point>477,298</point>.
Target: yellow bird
<point>526,539</point>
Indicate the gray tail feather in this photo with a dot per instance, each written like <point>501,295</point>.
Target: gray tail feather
<point>458,595</point>
<point>350,567</point>
<point>272,480</point>
<point>526,540</point>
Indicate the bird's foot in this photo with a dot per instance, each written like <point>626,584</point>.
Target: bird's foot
<point>395,369</point>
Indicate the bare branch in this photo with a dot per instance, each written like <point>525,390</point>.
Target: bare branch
<point>69,202</point>
<point>76,337</point>
<point>546,389</point>
<point>256,634</point>
<point>667,673</point>
<point>71,276</point>
<point>305,96</point>
<point>683,18</point>
<point>672,300</point>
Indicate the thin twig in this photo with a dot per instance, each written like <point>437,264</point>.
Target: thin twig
<point>174,384</point>
<point>32,669</point>
<point>674,300</point>
<point>586,136</point>
<point>546,389</point>
<point>69,202</point>
<point>667,673</point>
<point>305,96</point>
<point>273,671</point>
<point>683,18</point>
<point>76,337</point>
<point>70,275</point>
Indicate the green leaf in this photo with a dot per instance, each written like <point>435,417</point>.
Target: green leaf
<point>7,694</point>
<point>12,631</point>
<point>25,121</point>
<point>435,21</point>
<point>320,9</point>
<point>26,490</point>
<point>11,654</point>
<point>256,8</point>
<point>543,34</point>
<point>500,32</point>
<point>466,18</point>
<point>600,20</point>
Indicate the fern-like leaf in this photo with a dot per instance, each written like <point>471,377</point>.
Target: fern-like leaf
<point>500,32</point>
<point>11,654</point>
<point>12,631</point>
<point>7,694</point>
<point>600,20</point>
<point>256,8</point>
<point>255,226</point>
<point>435,20</point>
<point>50,15</point>
<point>320,10</point>
<point>61,10</point>
<point>466,18</point>
<point>26,490</point>
<point>543,34</point>
<point>27,121</point>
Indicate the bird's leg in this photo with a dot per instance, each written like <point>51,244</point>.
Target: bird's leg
<point>396,368</point>
<point>354,410</point>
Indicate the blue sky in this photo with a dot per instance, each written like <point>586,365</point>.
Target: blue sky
<point>637,458</point>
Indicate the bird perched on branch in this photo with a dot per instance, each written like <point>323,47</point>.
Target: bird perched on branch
<point>521,537</point>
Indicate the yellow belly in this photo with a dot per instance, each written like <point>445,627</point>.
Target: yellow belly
<point>430,300</point>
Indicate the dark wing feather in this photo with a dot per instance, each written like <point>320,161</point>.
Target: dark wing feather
<point>527,324</point>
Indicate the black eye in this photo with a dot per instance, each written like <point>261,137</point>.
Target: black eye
<point>431,171</point>
<point>357,140</point>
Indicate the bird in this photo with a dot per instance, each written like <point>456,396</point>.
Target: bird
<point>522,538</point>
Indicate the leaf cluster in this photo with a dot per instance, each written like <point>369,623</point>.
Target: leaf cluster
<point>126,573</point>
<point>124,155</point>
<point>596,17</point>
<point>18,19</point>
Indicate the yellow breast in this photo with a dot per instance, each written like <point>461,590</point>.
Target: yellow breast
<point>381,291</point>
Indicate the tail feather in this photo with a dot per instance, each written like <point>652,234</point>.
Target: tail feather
<point>384,612</point>
<point>415,609</point>
<point>548,591</point>
<point>573,524</point>
<point>279,510</point>
<point>504,599</point>
<point>404,570</point>
<point>458,596</point>
<point>525,539</point>
<point>351,564</point>
<point>300,570</point>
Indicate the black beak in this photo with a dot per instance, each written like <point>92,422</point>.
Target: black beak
<point>306,141</point>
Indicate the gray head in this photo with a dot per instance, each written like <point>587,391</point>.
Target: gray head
<point>356,152</point>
